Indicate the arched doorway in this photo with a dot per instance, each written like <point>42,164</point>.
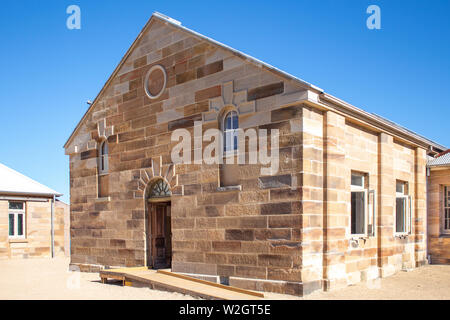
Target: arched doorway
<point>159,235</point>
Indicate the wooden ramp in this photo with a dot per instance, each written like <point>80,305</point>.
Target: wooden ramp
<point>169,281</point>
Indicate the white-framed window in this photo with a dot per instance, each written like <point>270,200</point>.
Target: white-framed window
<point>372,206</point>
<point>16,219</point>
<point>103,158</point>
<point>402,209</point>
<point>445,217</point>
<point>359,217</point>
<point>230,127</point>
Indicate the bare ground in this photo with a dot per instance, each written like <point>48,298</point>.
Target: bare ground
<point>50,279</point>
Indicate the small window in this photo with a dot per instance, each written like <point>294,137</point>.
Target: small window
<point>103,158</point>
<point>230,132</point>
<point>103,177</point>
<point>358,205</point>
<point>402,209</point>
<point>446,213</point>
<point>16,218</point>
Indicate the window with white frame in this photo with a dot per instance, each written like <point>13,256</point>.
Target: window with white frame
<point>446,212</point>
<point>358,205</point>
<point>103,158</point>
<point>16,215</point>
<point>402,208</point>
<point>230,127</point>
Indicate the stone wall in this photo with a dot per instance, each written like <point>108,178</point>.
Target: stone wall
<point>438,243</point>
<point>348,148</point>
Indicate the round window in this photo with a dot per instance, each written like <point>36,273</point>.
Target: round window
<point>155,81</point>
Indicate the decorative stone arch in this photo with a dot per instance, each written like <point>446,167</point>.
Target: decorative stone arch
<point>228,99</point>
<point>144,176</point>
<point>144,180</point>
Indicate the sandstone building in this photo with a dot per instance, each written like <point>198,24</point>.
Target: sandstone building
<point>32,222</point>
<point>347,204</point>
<point>438,210</point>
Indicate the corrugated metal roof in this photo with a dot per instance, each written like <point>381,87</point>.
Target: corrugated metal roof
<point>13,182</point>
<point>443,160</point>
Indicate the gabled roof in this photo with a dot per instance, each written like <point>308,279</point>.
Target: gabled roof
<point>443,159</point>
<point>177,24</point>
<point>13,182</point>
<point>377,120</point>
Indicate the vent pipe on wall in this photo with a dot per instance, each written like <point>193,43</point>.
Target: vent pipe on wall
<point>53,226</point>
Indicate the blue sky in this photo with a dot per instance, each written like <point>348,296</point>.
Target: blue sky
<point>49,72</point>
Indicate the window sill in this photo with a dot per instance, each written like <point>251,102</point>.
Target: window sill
<point>103,199</point>
<point>357,240</point>
<point>359,237</point>
<point>12,240</point>
<point>401,235</point>
<point>232,153</point>
<point>444,235</point>
<point>230,188</point>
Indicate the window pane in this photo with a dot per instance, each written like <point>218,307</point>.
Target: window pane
<point>228,140</point>
<point>400,207</point>
<point>102,163</point>
<point>446,197</point>
<point>105,162</point>
<point>228,122</point>
<point>11,224</point>
<point>447,219</point>
<point>16,205</point>
<point>20,224</point>
<point>357,180</point>
<point>399,187</point>
<point>358,215</point>
<point>235,121</point>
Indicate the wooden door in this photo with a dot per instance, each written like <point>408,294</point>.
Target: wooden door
<point>160,235</point>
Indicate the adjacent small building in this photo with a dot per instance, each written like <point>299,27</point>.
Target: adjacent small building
<point>439,208</point>
<point>32,222</point>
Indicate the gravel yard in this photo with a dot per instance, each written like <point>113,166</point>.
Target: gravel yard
<point>50,279</point>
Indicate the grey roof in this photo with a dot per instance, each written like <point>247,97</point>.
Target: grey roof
<point>443,160</point>
<point>13,182</point>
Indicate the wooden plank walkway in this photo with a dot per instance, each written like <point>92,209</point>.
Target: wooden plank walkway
<point>168,281</point>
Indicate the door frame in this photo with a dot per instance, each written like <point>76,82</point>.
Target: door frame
<point>149,248</point>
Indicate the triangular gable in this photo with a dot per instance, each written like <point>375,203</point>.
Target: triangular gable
<point>157,17</point>
<point>320,98</point>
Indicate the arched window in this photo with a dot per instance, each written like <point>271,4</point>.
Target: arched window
<point>103,158</point>
<point>160,189</point>
<point>230,133</point>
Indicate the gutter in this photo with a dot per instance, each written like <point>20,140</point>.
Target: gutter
<point>30,194</point>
